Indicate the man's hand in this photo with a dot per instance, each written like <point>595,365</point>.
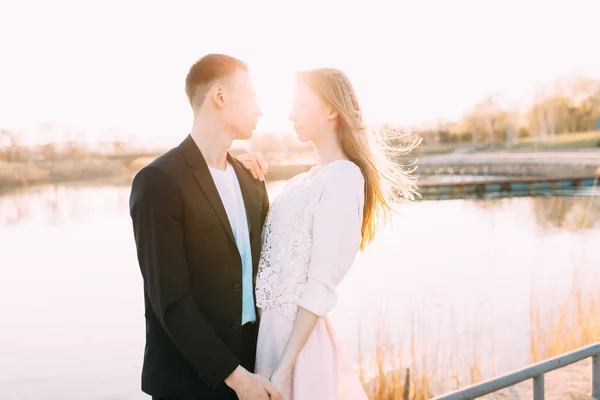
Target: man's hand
<point>274,393</point>
<point>250,386</point>
<point>255,163</point>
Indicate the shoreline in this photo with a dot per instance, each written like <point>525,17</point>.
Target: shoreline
<point>570,382</point>
<point>27,174</point>
<point>90,168</point>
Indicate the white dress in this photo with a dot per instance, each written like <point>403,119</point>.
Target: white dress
<point>310,239</point>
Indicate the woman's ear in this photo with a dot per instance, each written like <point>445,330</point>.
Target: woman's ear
<point>332,114</point>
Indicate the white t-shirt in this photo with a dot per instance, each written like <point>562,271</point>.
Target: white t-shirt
<point>231,195</point>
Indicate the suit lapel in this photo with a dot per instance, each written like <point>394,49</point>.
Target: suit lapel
<point>194,159</point>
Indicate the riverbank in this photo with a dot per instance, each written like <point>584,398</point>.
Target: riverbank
<point>572,382</point>
<point>87,169</point>
<point>572,324</point>
<point>569,383</point>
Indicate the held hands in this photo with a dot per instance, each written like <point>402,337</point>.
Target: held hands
<point>280,380</point>
<point>249,386</point>
<point>255,163</point>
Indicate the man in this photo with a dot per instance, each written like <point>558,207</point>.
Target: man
<point>197,217</point>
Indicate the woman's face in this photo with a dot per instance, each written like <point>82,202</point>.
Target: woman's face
<point>310,115</point>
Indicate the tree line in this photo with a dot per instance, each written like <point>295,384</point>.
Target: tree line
<point>567,106</point>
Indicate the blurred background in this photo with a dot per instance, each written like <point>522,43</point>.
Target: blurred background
<point>494,267</point>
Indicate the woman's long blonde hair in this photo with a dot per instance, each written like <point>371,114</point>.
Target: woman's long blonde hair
<point>375,152</point>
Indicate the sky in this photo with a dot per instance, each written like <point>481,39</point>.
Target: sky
<point>120,66</point>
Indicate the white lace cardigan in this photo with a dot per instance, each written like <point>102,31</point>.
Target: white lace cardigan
<point>310,239</point>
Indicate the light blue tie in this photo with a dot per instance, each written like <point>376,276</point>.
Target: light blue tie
<point>243,242</point>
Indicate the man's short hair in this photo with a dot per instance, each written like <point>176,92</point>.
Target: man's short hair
<point>207,71</point>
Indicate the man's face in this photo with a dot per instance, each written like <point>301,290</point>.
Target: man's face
<point>241,110</point>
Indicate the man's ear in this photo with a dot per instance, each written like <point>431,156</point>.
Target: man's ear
<point>217,95</point>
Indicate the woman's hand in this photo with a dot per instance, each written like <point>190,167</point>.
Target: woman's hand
<point>280,380</point>
<point>255,163</point>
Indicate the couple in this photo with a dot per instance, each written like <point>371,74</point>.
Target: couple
<point>237,291</point>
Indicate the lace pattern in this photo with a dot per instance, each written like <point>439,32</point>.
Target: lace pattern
<point>286,250</point>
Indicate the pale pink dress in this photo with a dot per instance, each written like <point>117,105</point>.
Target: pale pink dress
<point>310,239</point>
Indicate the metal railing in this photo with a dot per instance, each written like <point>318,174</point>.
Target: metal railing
<point>535,372</point>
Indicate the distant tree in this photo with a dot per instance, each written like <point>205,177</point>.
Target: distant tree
<point>9,144</point>
<point>74,142</point>
<point>513,126</point>
<point>568,106</point>
<point>488,119</point>
<point>590,111</point>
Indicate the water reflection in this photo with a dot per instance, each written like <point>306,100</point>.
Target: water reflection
<point>445,275</point>
<point>571,213</point>
<point>55,204</point>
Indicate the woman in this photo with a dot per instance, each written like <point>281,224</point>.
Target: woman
<point>313,231</point>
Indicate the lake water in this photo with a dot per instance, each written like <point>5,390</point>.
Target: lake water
<point>450,272</point>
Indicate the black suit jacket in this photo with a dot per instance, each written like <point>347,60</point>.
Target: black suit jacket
<point>192,272</point>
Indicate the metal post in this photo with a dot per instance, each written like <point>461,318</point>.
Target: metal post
<point>538,387</point>
<point>535,372</point>
<point>596,377</point>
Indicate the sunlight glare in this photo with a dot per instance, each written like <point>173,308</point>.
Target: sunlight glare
<point>273,87</point>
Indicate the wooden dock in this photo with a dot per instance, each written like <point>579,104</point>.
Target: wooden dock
<point>514,185</point>
<point>459,181</point>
